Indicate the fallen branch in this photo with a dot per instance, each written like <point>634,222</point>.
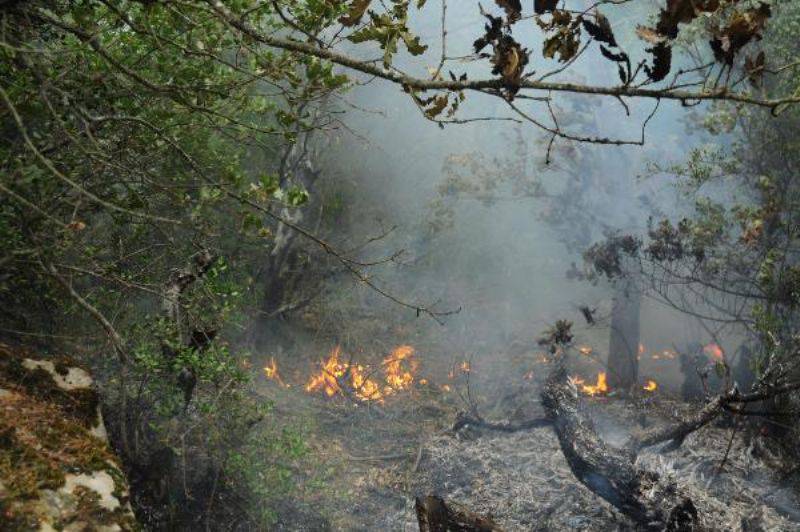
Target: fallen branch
<point>651,502</point>
<point>463,419</point>
<point>677,432</point>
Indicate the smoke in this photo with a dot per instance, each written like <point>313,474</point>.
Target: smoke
<point>502,261</point>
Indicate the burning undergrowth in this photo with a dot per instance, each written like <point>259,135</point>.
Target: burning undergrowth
<point>340,375</point>
<point>383,433</point>
<point>396,373</point>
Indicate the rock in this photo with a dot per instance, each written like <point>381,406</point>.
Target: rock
<point>57,471</point>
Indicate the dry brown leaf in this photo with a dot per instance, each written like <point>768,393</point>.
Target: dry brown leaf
<point>355,12</point>
<point>650,35</point>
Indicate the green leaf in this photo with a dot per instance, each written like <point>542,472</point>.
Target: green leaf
<point>296,196</point>
<point>270,183</point>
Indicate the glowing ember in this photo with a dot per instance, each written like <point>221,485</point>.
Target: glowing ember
<point>714,350</point>
<point>599,388</point>
<point>271,372</point>
<point>666,354</point>
<point>650,386</point>
<point>585,350</point>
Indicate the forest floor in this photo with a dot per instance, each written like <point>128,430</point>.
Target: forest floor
<point>368,461</point>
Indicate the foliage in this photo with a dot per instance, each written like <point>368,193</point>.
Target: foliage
<point>731,261</point>
<point>130,136</point>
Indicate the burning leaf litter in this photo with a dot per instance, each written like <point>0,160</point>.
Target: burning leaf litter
<point>337,376</point>
<point>347,378</point>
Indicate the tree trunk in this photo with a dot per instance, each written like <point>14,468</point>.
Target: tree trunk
<point>281,272</point>
<point>275,273</point>
<point>623,348</point>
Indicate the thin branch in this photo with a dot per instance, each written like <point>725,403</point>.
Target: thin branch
<point>49,165</point>
<point>721,94</point>
<point>114,336</point>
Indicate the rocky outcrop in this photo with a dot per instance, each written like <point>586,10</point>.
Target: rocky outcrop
<point>57,471</point>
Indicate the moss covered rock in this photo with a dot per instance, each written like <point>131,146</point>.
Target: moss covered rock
<point>57,471</point>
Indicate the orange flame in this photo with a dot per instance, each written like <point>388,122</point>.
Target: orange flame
<point>601,387</point>
<point>715,351</point>
<point>650,386</point>
<point>465,367</point>
<point>365,388</point>
<point>327,378</point>
<point>399,368</point>
<point>585,350</point>
<point>271,372</point>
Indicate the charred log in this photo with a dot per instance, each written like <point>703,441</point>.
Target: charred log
<point>434,515</point>
<point>651,502</point>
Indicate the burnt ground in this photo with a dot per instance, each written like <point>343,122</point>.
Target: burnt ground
<point>367,462</point>
<point>522,479</point>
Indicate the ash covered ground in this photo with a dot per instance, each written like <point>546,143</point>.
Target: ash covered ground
<point>370,460</point>
<point>523,481</point>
